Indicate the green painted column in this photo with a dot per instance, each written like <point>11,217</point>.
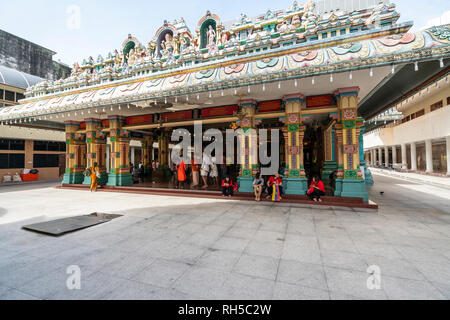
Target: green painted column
<point>295,181</point>
<point>249,157</point>
<point>75,154</point>
<point>95,150</point>
<point>349,181</point>
<point>330,164</point>
<point>119,174</point>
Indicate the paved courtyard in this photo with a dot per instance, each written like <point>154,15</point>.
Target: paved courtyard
<point>188,248</point>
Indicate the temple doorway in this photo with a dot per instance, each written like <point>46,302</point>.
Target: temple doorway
<point>313,149</point>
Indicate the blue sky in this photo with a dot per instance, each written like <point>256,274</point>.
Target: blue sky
<point>105,24</point>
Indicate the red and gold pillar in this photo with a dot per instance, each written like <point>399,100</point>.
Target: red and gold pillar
<point>349,180</point>
<point>295,181</point>
<point>119,174</point>
<point>75,154</point>
<point>95,149</point>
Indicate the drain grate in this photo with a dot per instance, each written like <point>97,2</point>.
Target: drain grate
<point>65,225</point>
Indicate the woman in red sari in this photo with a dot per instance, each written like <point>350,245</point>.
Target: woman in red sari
<point>275,187</point>
<point>316,189</point>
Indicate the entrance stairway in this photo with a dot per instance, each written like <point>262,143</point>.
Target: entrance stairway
<point>294,199</point>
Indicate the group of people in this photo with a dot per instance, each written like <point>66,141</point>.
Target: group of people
<point>274,188</point>
<point>137,172</point>
<point>207,169</point>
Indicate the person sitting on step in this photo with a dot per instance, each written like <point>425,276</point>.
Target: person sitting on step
<point>227,187</point>
<point>316,189</point>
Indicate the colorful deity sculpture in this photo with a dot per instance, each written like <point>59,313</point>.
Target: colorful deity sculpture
<point>211,36</point>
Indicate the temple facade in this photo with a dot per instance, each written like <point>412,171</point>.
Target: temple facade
<point>297,71</point>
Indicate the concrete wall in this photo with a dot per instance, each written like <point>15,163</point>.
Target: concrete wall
<point>25,56</point>
<point>432,125</point>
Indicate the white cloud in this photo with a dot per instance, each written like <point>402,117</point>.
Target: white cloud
<point>442,19</point>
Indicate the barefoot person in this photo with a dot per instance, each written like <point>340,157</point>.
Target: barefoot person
<point>258,184</point>
<point>204,170</point>
<point>195,173</point>
<point>316,189</point>
<point>94,173</point>
<point>275,187</point>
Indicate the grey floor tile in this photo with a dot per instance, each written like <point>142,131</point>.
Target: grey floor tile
<point>302,274</point>
<point>161,273</point>
<point>407,289</point>
<point>284,291</point>
<point>257,266</point>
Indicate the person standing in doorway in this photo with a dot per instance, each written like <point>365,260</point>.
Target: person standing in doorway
<point>181,174</point>
<point>195,173</point>
<point>204,170</point>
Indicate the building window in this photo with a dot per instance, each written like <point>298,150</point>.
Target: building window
<point>49,146</point>
<point>436,105</point>
<point>343,31</point>
<point>324,35</point>
<point>45,160</point>
<point>1,94</point>
<point>10,144</point>
<point>333,33</point>
<point>12,160</point>
<point>448,100</point>
<point>19,96</point>
<point>9,95</point>
<point>353,30</point>
<point>420,113</point>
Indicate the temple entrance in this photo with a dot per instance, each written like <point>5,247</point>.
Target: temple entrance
<point>313,149</point>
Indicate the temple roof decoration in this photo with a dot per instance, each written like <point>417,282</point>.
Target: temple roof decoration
<point>175,47</point>
<point>296,61</point>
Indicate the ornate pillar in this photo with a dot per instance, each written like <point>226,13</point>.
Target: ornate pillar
<point>75,154</point>
<point>119,174</point>
<point>163,144</point>
<point>329,165</point>
<point>295,181</point>
<point>349,172</point>
<point>286,150</point>
<point>95,149</point>
<point>249,145</point>
<point>147,145</point>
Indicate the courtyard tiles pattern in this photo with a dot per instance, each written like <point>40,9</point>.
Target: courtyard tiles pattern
<point>181,248</point>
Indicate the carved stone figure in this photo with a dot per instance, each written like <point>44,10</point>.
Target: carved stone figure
<point>151,49</point>
<point>283,27</point>
<point>131,57</point>
<point>295,23</point>
<point>211,36</point>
